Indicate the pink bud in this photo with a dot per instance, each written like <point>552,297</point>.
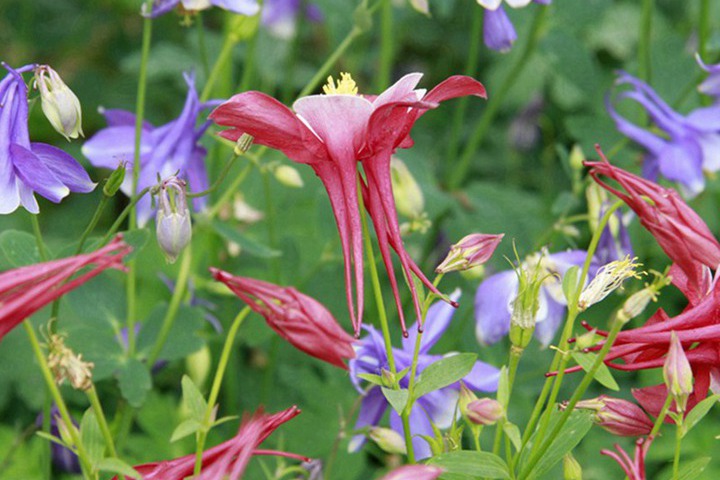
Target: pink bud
<point>414,472</point>
<point>677,373</point>
<point>473,250</point>
<point>618,416</point>
<point>485,411</point>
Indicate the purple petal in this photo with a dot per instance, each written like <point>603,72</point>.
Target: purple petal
<point>372,409</point>
<point>112,145</point>
<point>493,306</point>
<point>196,175</point>
<point>161,7</point>
<point>482,377</point>
<point>705,119</point>
<point>116,117</point>
<point>682,163</point>
<point>242,7</point>
<point>710,145</point>
<point>64,167</point>
<point>498,31</point>
<point>546,327</point>
<point>649,141</point>
<point>419,425</point>
<point>438,318</point>
<point>33,172</point>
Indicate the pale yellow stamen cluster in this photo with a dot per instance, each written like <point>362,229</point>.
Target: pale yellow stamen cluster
<point>345,86</point>
<point>67,365</point>
<point>608,278</point>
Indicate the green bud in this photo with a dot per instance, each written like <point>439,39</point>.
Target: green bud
<point>409,199</point>
<point>571,468</point>
<point>288,176</point>
<point>388,440</point>
<point>115,180</point>
<point>59,103</point>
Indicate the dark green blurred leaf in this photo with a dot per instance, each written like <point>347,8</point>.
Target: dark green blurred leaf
<point>247,244</point>
<point>18,248</point>
<point>183,338</point>
<point>135,382</point>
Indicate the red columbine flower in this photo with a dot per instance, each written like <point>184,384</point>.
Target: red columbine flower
<point>681,233</point>
<point>633,468</point>
<point>618,416</point>
<point>229,459</point>
<point>332,133</point>
<point>299,319</point>
<point>25,290</point>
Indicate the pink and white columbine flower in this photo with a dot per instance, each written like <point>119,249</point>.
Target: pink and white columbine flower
<point>334,132</point>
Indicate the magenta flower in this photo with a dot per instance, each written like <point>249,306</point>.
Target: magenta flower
<point>25,290</point>
<point>332,133</point>
<point>301,320</point>
<point>229,459</point>
<point>618,416</point>
<point>27,167</point>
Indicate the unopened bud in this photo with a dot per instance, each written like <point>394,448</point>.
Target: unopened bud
<point>618,416</point>
<point>608,278</point>
<point>588,339</point>
<point>409,199</point>
<point>485,411</point>
<point>571,468</point>
<point>67,365</point>
<point>677,373</point>
<point>115,180</point>
<point>471,251</point>
<point>596,200</point>
<point>466,397</point>
<point>59,103</point>
<point>243,144</point>
<point>388,378</point>
<point>526,303</point>
<point>173,226</point>
<point>388,440</point>
<point>198,365</point>
<point>638,301</point>
<point>288,176</point>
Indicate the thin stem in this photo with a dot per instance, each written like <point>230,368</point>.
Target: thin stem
<point>459,172</point>
<point>579,392</point>
<point>408,438</point>
<point>93,222</point>
<point>703,27</point>
<point>42,250</point>
<point>102,421</point>
<point>224,56</point>
<point>386,45</point>
<point>171,314</point>
<point>645,67</point>
<point>513,362</point>
<point>271,226</point>
<point>249,63</point>
<point>57,397</point>
<point>320,75</point>
<point>217,382</point>
<point>218,180</point>
<point>661,417</point>
<point>678,442</point>
<point>123,215</point>
<point>202,50</point>
<point>229,192</point>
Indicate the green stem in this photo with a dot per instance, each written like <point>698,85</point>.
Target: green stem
<point>471,65</point>
<point>102,421</point>
<point>408,438</point>
<point>123,215</point>
<point>229,192</point>
<point>460,171</point>
<point>224,56</point>
<point>579,392</point>
<point>320,75</point>
<point>703,27</point>
<point>678,442</point>
<point>271,227</point>
<point>218,181</point>
<point>57,397</point>
<point>93,222</point>
<point>561,356</point>
<point>202,50</point>
<point>249,63</point>
<point>171,314</point>
<point>661,417</point>
<point>42,250</point>
<point>217,382</point>
<point>386,45</point>
<point>645,67</point>
<point>513,362</point>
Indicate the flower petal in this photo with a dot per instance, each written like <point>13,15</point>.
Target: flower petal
<point>241,7</point>
<point>33,172</point>
<point>64,167</point>
<point>482,377</point>
<point>372,409</point>
<point>498,31</point>
<point>110,146</point>
<point>493,309</point>
<point>437,321</point>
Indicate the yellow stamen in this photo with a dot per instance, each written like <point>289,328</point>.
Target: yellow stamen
<point>345,86</point>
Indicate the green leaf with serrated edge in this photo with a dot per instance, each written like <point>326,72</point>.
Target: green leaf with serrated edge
<point>474,464</point>
<point>570,282</point>
<point>135,382</point>
<point>574,430</point>
<point>247,244</point>
<point>513,433</point>
<point>91,437</point>
<point>187,427</point>
<point>18,248</point>
<point>397,398</point>
<point>115,465</point>
<point>603,375</point>
<point>193,399</point>
<point>374,379</point>
<point>444,372</point>
<point>698,413</point>
<point>503,391</point>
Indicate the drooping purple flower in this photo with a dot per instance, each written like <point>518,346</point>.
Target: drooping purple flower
<point>498,31</point>
<point>280,16</point>
<point>437,406</point>
<point>241,7</point>
<point>164,150</point>
<point>690,144</point>
<point>28,167</point>
<point>711,85</point>
<point>495,296</point>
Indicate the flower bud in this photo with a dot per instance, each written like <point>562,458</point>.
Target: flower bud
<point>618,416</point>
<point>388,440</point>
<point>677,373</point>
<point>571,468</point>
<point>59,103</point>
<point>243,144</point>
<point>409,199</point>
<point>115,180</point>
<point>173,226</point>
<point>198,365</point>
<point>484,411</point>
<point>288,176</point>
<point>608,278</point>
<point>526,303</point>
<point>466,397</point>
<point>473,250</point>
<point>414,472</point>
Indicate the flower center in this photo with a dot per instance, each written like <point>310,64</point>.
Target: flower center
<point>345,86</point>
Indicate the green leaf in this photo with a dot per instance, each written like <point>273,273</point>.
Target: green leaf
<point>91,436</point>
<point>51,438</point>
<point>115,465</point>
<point>444,372</point>
<point>570,282</point>
<point>688,470</point>
<point>397,398</point>
<point>374,379</point>
<point>698,413</point>
<point>513,433</point>
<point>222,420</point>
<point>247,244</point>
<point>574,430</point>
<point>193,399</point>
<point>135,382</point>
<point>603,375</point>
<point>187,427</point>
<point>473,464</point>
<point>137,239</point>
<point>182,340</point>
<point>18,248</point>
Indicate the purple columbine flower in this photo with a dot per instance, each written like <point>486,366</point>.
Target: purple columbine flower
<point>437,406</point>
<point>279,16</point>
<point>498,31</point>
<point>165,150</point>
<point>495,296</point>
<point>690,146</point>
<point>27,168</point>
<point>711,85</point>
<point>161,7</point>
